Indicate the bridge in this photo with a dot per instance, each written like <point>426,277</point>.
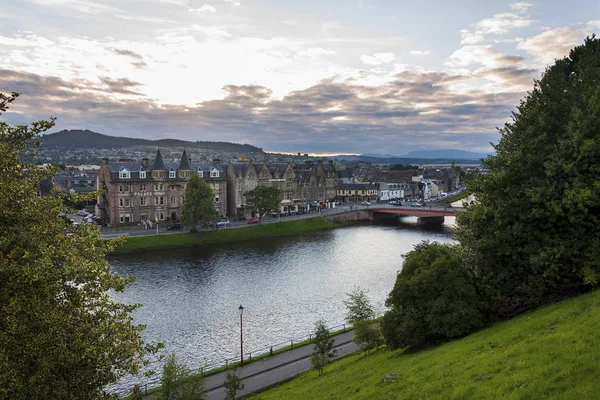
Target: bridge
<point>425,214</point>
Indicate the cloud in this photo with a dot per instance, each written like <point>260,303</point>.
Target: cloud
<point>204,8</point>
<point>83,6</point>
<point>315,52</point>
<point>419,52</point>
<point>378,58</point>
<point>520,7</point>
<point>552,44</point>
<point>484,55</point>
<point>497,25</point>
<point>416,108</point>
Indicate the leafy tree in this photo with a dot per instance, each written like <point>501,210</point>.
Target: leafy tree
<point>434,298</point>
<point>233,384</point>
<point>263,199</point>
<point>534,230</point>
<point>323,351</point>
<point>61,334</point>
<point>360,314</point>
<point>178,382</point>
<point>198,206</point>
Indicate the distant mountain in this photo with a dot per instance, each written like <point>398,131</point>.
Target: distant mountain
<point>82,139</point>
<point>404,160</point>
<point>446,154</point>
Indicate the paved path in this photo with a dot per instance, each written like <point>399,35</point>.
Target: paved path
<point>273,370</point>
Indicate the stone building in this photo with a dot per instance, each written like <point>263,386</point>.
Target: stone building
<point>136,191</point>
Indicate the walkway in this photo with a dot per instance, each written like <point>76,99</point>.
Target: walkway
<point>270,371</point>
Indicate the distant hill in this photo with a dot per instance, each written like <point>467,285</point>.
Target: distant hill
<point>405,160</point>
<point>79,139</point>
<point>446,154</point>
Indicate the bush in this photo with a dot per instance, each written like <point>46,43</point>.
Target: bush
<point>434,298</point>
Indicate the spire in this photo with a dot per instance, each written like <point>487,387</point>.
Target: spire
<point>159,164</point>
<point>184,165</point>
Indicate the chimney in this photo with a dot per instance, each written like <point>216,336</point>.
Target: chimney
<point>105,161</point>
<point>331,162</point>
<point>320,162</point>
<point>145,162</point>
<point>215,160</point>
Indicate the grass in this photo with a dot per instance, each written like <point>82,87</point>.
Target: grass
<point>169,241</point>
<point>457,197</point>
<point>551,353</point>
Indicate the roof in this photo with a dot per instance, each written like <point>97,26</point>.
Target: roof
<point>357,186</point>
<point>158,162</point>
<point>184,165</point>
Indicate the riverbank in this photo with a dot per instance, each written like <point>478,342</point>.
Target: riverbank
<point>550,353</point>
<point>224,235</point>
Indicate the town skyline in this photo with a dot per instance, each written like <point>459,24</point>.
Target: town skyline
<point>366,77</point>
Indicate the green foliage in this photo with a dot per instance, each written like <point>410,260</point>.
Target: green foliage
<point>400,167</point>
<point>360,314</point>
<point>263,199</point>
<point>434,298</point>
<point>178,382</point>
<point>61,335</point>
<point>233,384</point>
<point>551,353</point>
<point>198,204</point>
<point>323,351</point>
<point>535,228</point>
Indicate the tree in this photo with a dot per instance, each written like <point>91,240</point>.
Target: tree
<point>263,199</point>
<point>434,298</point>
<point>233,384</point>
<point>178,382</point>
<point>360,314</point>
<point>534,230</point>
<point>61,334</point>
<point>198,206</point>
<point>323,351</point>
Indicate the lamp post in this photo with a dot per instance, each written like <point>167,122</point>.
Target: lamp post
<point>241,337</point>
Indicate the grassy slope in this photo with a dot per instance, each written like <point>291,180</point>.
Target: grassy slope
<point>551,353</point>
<point>156,242</point>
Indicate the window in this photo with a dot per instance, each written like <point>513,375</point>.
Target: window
<point>121,203</point>
<point>120,188</point>
<point>201,173</point>
<point>214,173</point>
<point>125,217</point>
<point>172,174</point>
<point>172,201</point>
<point>127,202</point>
<point>161,201</point>
<point>126,188</point>
<point>156,201</point>
<point>158,187</point>
<point>124,174</point>
<point>142,188</point>
<point>143,201</point>
<point>288,185</point>
<point>216,199</point>
<point>142,174</point>
<point>162,216</point>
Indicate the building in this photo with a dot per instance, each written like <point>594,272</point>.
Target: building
<point>135,191</point>
<point>357,192</point>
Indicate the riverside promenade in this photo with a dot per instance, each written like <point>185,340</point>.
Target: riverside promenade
<point>270,371</point>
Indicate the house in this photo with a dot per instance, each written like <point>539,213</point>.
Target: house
<point>357,192</point>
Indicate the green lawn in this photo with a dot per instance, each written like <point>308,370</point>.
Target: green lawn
<point>157,242</point>
<point>457,197</point>
<point>551,353</point>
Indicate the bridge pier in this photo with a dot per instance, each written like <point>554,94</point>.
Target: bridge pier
<point>434,220</point>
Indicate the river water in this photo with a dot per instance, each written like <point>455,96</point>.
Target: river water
<point>191,296</point>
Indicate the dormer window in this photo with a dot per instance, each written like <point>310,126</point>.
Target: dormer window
<point>142,174</point>
<point>124,174</point>
<point>201,173</point>
<point>172,174</point>
<point>214,173</point>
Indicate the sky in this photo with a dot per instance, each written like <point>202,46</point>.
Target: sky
<point>311,76</point>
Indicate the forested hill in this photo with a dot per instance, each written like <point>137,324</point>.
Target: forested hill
<point>82,139</point>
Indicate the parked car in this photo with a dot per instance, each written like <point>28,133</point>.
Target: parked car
<point>416,204</point>
<point>253,221</point>
<point>223,222</point>
<point>365,203</point>
<point>175,226</point>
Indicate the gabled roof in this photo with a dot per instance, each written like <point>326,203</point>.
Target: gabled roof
<point>184,165</point>
<point>159,164</point>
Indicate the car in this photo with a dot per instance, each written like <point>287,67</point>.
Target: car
<point>416,204</point>
<point>175,226</point>
<point>82,213</point>
<point>223,222</point>
<point>365,203</point>
<point>253,221</point>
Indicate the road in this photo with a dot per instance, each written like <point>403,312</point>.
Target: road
<point>270,371</point>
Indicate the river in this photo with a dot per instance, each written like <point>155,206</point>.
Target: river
<point>191,296</point>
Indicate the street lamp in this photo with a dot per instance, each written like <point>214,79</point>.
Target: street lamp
<point>241,337</point>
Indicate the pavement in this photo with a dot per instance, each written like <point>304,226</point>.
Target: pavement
<point>270,371</point>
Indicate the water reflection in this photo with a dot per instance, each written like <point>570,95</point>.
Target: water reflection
<point>191,296</point>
